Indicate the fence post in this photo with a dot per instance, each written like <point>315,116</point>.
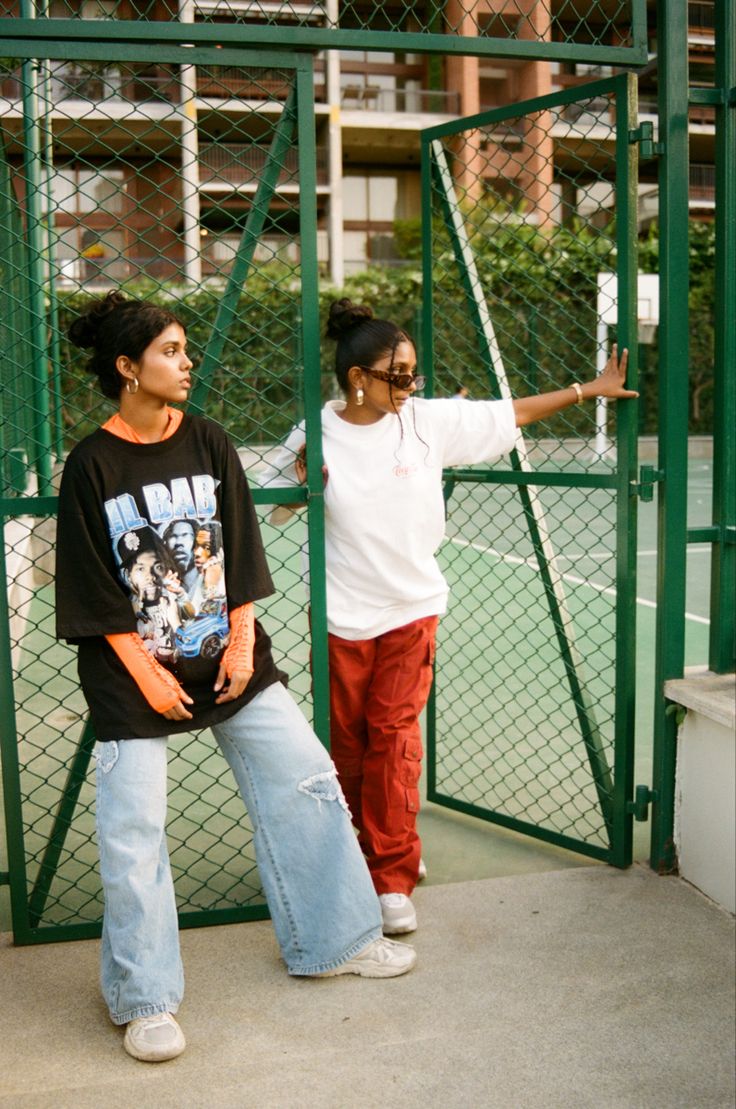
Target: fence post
<point>673,412</point>
<point>722,652</point>
<point>32,161</point>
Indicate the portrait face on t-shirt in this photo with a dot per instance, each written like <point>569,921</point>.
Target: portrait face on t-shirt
<point>179,539</point>
<point>173,570</point>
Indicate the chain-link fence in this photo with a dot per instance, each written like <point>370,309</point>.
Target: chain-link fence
<point>600,29</point>
<point>531,719</point>
<point>208,220</point>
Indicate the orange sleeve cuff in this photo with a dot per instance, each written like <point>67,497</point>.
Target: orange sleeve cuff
<point>158,686</point>
<point>239,652</point>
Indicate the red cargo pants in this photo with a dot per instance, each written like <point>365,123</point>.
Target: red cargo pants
<point>378,688</point>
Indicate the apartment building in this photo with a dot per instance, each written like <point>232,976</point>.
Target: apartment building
<point>151,170</point>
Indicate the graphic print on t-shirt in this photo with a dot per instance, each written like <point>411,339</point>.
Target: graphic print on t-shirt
<point>168,550</point>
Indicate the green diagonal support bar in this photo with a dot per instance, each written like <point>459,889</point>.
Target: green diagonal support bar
<point>531,504</point>
<point>246,248</point>
<point>62,823</point>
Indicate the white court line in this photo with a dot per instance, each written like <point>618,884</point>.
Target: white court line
<point>607,590</point>
<point>601,556</point>
<point>690,550</point>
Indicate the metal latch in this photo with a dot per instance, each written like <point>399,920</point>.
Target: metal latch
<point>648,478</point>
<point>643,797</point>
<point>644,135</point>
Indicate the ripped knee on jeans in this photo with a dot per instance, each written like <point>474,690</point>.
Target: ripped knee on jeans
<point>324,787</point>
<point>106,755</point>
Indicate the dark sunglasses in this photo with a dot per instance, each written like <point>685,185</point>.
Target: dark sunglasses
<point>401,381</point>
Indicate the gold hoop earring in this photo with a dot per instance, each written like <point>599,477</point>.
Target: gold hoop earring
<point>128,388</point>
<point>359,396</point>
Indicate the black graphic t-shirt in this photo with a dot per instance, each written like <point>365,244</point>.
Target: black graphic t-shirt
<point>162,539</point>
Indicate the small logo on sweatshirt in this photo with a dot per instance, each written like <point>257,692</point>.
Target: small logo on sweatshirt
<point>404,471</point>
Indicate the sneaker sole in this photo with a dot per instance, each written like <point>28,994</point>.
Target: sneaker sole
<point>152,1057</point>
<point>400,928</point>
<point>152,1054</point>
<point>368,970</point>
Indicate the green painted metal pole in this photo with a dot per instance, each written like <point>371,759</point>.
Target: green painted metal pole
<point>135,32</point>
<point>9,763</point>
<point>427,367</point>
<point>673,413</point>
<point>51,244</point>
<point>246,248</point>
<point>627,420</point>
<point>722,653</point>
<point>306,132</point>
<point>40,446</point>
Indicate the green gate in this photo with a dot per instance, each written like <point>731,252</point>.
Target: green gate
<point>540,547</point>
<point>240,270</point>
<point>531,723</point>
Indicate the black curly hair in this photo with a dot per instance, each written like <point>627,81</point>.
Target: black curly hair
<point>115,326</point>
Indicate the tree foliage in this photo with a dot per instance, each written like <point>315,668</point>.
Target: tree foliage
<point>541,292</point>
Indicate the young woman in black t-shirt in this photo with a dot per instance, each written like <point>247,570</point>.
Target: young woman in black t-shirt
<point>162,652</point>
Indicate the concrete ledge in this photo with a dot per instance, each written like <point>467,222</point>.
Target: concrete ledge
<point>705,797</point>
<point>712,695</point>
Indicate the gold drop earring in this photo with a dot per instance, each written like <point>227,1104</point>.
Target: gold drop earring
<point>128,388</point>
<point>359,396</point>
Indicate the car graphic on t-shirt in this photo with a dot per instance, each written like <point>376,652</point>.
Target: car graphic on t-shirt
<point>203,637</point>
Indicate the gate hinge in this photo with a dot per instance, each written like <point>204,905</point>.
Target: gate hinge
<point>643,797</point>
<point>644,487</point>
<point>4,878</point>
<point>644,135</point>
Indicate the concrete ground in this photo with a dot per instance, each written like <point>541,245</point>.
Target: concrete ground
<point>572,988</point>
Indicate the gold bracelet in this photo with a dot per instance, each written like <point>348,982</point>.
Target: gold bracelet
<point>578,392</point>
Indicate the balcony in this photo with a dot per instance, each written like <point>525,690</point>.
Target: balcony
<point>365,97</point>
<point>80,82</point>
<point>702,186</point>
<point>262,11</point>
<point>232,83</point>
<point>700,25</point>
<point>239,168</point>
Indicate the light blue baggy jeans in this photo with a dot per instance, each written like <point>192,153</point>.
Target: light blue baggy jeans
<point>320,895</point>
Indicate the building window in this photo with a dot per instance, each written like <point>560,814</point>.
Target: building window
<point>76,190</point>
<point>375,198</point>
<point>371,205</point>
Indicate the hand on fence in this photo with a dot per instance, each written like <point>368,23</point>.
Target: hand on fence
<point>611,382</point>
<point>300,465</point>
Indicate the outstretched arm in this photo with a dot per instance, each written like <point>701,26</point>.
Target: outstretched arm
<point>610,383</point>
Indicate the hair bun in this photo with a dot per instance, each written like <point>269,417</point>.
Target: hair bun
<point>344,316</point>
<point>85,330</point>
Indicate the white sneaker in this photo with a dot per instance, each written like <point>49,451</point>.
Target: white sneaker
<point>154,1039</point>
<point>381,958</point>
<point>422,873</point>
<point>398,913</point>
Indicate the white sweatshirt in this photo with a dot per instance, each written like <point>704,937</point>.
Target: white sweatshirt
<point>384,510</point>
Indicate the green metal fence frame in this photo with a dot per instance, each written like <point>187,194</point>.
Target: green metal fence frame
<point>334,38</point>
<point>673,534</point>
<point>614,791</point>
<point>113,40</point>
<point>297,120</point>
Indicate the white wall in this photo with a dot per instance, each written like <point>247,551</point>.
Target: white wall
<point>705,799</point>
